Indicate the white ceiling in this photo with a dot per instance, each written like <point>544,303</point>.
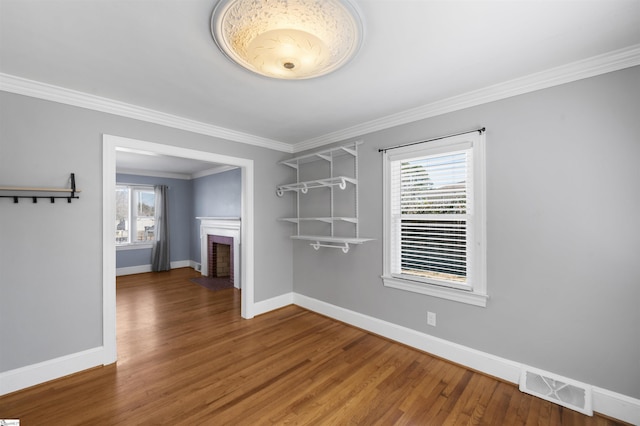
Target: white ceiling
<point>160,55</point>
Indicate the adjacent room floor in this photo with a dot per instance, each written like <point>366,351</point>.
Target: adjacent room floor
<point>185,356</point>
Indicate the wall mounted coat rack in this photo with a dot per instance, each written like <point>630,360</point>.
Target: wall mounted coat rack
<point>51,192</point>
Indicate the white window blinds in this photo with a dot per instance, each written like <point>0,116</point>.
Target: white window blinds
<point>431,206</point>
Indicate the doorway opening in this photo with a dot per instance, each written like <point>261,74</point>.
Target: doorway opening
<point>110,145</point>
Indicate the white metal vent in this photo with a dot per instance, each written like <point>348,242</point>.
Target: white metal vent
<point>560,390</point>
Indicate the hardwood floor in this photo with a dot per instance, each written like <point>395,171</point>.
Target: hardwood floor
<point>187,357</point>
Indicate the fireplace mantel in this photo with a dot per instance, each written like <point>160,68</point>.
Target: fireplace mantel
<point>225,227</point>
<point>219,222</point>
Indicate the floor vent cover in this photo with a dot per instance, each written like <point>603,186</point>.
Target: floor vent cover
<point>560,390</point>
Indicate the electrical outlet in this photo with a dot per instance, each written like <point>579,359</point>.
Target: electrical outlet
<point>431,319</point>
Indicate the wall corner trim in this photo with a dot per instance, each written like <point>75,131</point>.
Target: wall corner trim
<point>605,402</point>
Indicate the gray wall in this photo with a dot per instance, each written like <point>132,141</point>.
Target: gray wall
<point>217,195</point>
<point>180,196</point>
<point>563,232</point>
<point>51,254</point>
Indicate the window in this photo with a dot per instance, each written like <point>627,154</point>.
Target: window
<point>135,214</point>
<point>434,218</point>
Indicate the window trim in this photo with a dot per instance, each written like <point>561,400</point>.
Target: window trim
<point>133,245</point>
<point>477,294</point>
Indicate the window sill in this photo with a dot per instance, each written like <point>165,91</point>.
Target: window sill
<point>461,296</point>
<point>134,246</point>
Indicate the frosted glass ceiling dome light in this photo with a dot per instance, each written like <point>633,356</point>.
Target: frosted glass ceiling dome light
<point>290,39</point>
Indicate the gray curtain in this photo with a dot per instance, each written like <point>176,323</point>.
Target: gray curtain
<point>160,260</point>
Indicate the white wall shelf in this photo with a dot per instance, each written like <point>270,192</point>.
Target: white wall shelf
<point>342,236</point>
<point>339,181</point>
<point>327,155</point>
<point>319,219</point>
<point>331,242</point>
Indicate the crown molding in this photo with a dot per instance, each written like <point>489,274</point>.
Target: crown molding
<point>590,67</point>
<point>36,89</point>
<point>153,173</point>
<point>212,171</point>
<point>183,176</point>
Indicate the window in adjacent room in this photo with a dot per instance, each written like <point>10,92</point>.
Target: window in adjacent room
<point>434,218</point>
<point>135,214</point>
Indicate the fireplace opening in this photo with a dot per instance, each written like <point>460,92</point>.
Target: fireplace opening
<point>220,257</point>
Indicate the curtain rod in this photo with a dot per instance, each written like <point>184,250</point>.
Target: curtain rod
<point>481,131</point>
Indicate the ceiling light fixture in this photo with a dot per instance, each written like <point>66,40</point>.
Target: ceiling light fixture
<point>289,39</point>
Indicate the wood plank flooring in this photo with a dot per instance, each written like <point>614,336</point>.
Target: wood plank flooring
<point>186,357</point>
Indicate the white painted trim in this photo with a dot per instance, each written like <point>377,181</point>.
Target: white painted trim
<point>108,252</point>
<point>181,264</point>
<point>34,374</point>
<point>153,173</point>
<point>272,304</point>
<point>134,246</point>
<point>449,293</point>
<point>22,86</point>
<point>212,171</point>
<point>246,241</point>
<point>590,67</point>
<point>224,227</point>
<point>183,176</point>
<point>616,405</point>
<point>476,292</point>
<point>131,270</point>
<point>110,143</point>
<point>605,402</point>
<point>141,269</point>
<point>477,360</point>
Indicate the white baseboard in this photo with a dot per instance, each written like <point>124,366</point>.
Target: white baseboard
<point>616,405</point>
<point>140,269</point>
<point>605,402</point>
<point>31,375</point>
<point>273,304</point>
<point>181,264</point>
<point>130,270</point>
<point>477,360</point>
